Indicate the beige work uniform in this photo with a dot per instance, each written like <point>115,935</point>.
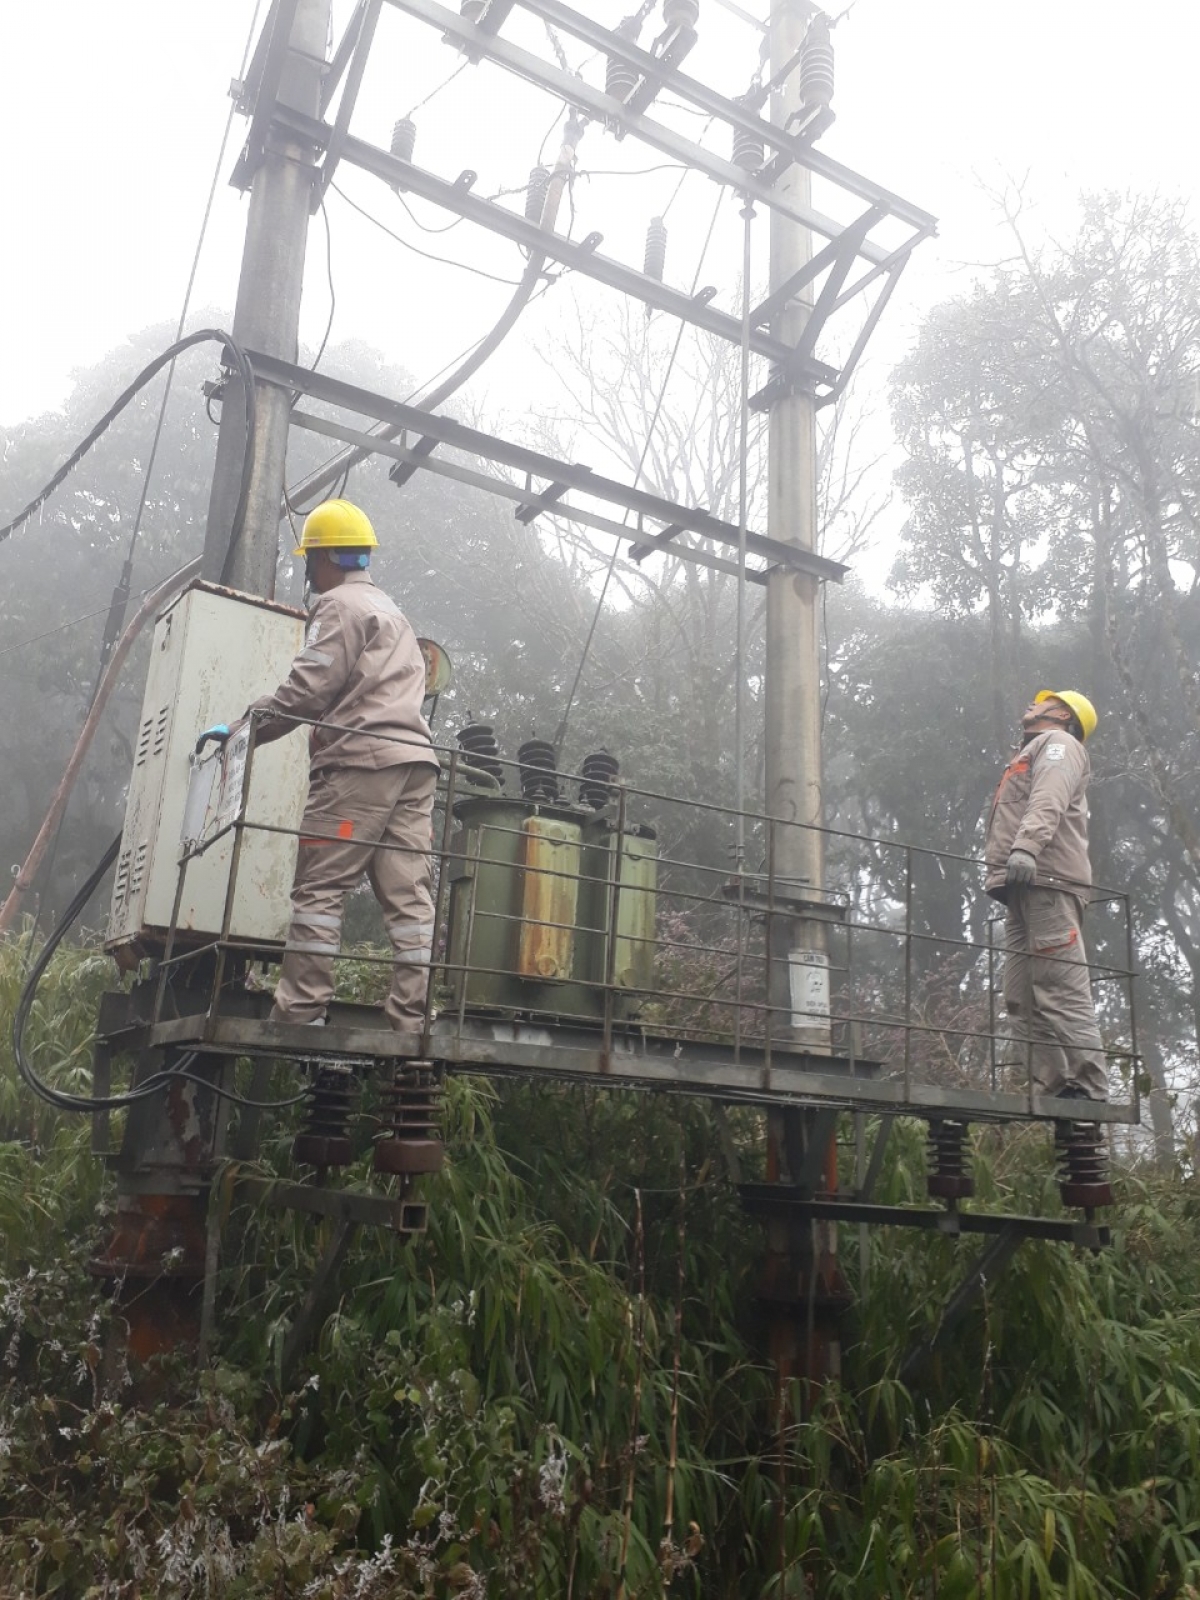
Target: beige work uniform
<point>1040,806</point>
<point>361,678</point>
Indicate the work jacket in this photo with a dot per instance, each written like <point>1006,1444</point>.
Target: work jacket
<point>362,672</point>
<point>1040,805</point>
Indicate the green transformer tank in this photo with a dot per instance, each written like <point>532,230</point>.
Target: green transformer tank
<point>548,907</point>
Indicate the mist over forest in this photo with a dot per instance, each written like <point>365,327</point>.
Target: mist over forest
<point>1037,452</point>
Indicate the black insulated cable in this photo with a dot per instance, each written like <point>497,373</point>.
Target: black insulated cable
<point>237,358</point>
<point>155,1084</point>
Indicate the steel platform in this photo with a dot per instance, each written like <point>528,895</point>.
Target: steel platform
<point>636,1059</point>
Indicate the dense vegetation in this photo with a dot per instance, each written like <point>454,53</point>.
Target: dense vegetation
<point>556,1393</point>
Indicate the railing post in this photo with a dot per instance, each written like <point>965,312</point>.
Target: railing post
<point>991,938</point>
<point>1130,963</point>
<point>439,905</point>
<point>908,972</point>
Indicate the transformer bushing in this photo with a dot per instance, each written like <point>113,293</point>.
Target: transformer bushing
<point>598,772</point>
<point>1082,1165</point>
<point>539,775</point>
<point>410,1142</point>
<point>478,743</point>
<point>949,1161</point>
<point>324,1140</point>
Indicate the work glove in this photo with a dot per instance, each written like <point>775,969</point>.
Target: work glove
<point>1022,870</point>
<point>218,733</point>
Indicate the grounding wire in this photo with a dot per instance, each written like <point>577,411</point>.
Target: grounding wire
<point>155,1084</point>
<point>446,261</point>
<point>561,731</point>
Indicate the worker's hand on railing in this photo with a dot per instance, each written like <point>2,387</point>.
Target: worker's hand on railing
<point>1022,870</point>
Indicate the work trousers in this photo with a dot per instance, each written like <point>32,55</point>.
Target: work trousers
<point>361,820</point>
<point>1048,992</point>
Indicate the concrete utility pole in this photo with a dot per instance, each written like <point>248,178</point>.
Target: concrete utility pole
<point>169,1143</point>
<point>802,1287</point>
<point>267,318</point>
<point>793,691</point>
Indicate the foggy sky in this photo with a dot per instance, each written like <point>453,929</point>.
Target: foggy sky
<point>116,115</point>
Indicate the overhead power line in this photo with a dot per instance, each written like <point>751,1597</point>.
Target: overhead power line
<point>445,261</point>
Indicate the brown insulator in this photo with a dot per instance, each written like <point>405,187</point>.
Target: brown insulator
<point>656,249</point>
<point>409,1141</point>
<point>539,777</point>
<point>949,1170</point>
<point>816,64</point>
<point>598,772</point>
<point>681,13</point>
<point>1082,1165</point>
<point>324,1140</point>
<point>477,741</point>
<point>620,78</point>
<point>747,147</point>
<point>535,193</point>
<point>404,138</point>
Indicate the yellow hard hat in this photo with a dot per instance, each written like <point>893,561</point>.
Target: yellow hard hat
<point>336,525</point>
<point>1085,711</point>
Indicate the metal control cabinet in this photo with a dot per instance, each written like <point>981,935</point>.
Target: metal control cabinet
<point>213,653</point>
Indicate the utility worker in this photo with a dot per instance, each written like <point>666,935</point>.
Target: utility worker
<point>361,678</point>
<point>1038,867</point>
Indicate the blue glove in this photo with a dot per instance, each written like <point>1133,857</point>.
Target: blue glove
<point>219,732</point>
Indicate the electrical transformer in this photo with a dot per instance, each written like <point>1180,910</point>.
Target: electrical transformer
<point>546,911</point>
<point>213,652</point>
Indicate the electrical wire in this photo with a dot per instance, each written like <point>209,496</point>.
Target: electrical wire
<point>446,227</point>
<point>157,1082</point>
<point>332,291</point>
<point>480,352</point>
<point>62,627</point>
<point>445,261</point>
<point>632,172</point>
<point>127,569</point>
<point>122,592</point>
<point>445,83</point>
<point>239,360</point>
<point>561,731</point>
<point>408,399</point>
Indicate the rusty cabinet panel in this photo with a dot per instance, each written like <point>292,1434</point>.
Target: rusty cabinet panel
<point>550,898</point>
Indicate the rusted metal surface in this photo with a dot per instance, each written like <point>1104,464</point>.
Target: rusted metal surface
<point>155,1260</point>
<point>549,898</point>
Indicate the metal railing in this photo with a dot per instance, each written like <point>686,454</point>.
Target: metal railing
<point>906,932</point>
